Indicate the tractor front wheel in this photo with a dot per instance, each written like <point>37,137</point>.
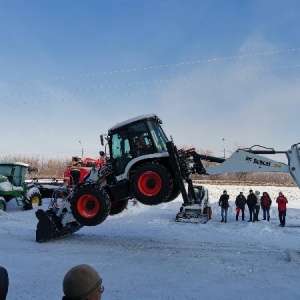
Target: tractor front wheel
<point>33,198</point>
<point>2,204</point>
<point>151,183</point>
<point>90,205</point>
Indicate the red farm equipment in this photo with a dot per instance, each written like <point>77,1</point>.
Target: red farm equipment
<point>79,168</point>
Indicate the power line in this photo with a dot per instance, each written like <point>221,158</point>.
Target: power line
<point>155,67</point>
<point>152,81</point>
<point>148,92</point>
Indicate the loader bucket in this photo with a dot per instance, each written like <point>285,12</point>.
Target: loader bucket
<point>50,227</point>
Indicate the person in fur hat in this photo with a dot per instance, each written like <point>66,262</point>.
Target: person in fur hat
<point>257,205</point>
<point>82,282</point>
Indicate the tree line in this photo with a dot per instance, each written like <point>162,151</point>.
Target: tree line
<point>54,168</point>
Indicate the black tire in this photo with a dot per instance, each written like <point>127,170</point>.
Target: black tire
<point>33,198</point>
<point>174,193</point>
<point>117,207</point>
<point>2,206</point>
<point>151,183</point>
<point>90,206</point>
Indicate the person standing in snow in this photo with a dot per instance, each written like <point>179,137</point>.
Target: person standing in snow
<point>82,282</point>
<point>282,201</point>
<point>251,202</point>
<point>223,202</point>
<point>257,205</point>
<point>265,202</point>
<point>240,202</point>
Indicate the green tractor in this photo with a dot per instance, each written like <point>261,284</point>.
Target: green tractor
<point>13,186</point>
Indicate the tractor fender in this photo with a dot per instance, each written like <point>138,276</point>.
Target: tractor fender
<point>138,160</point>
<point>31,191</point>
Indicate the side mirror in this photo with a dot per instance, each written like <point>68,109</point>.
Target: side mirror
<point>101,139</point>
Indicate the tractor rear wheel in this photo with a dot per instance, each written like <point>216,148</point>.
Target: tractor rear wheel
<point>90,206</point>
<point>117,207</point>
<point>174,193</point>
<point>151,183</point>
<point>33,198</point>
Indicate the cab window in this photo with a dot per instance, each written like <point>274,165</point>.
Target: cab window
<point>141,139</point>
<point>158,136</point>
<point>120,151</point>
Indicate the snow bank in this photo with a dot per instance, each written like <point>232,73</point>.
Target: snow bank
<point>144,254</point>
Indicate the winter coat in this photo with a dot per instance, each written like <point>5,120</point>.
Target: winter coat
<point>265,201</point>
<point>257,198</point>
<point>240,201</point>
<point>251,200</point>
<point>257,201</point>
<point>223,202</point>
<point>282,201</point>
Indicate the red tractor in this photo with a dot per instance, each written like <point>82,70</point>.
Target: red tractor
<point>79,168</point>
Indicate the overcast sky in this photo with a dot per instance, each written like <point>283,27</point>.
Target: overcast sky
<point>211,70</point>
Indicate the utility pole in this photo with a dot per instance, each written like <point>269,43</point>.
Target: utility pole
<point>81,151</point>
<point>224,148</point>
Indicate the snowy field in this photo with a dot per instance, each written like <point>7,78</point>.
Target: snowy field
<point>144,254</point>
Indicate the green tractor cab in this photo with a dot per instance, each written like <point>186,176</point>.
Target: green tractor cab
<point>13,186</point>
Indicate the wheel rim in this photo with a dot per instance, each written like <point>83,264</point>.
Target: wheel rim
<point>35,200</point>
<point>149,183</point>
<point>88,206</point>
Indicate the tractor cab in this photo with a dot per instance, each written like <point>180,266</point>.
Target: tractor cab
<point>14,172</point>
<point>134,138</point>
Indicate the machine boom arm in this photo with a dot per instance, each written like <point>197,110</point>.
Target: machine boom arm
<point>248,160</point>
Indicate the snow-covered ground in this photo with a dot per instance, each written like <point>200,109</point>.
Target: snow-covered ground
<point>144,254</point>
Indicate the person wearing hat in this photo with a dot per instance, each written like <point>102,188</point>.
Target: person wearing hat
<point>82,282</point>
<point>223,202</point>
<point>251,202</point>
<point>240,202</point>
<point>282,201</point>
<point>257,205</point>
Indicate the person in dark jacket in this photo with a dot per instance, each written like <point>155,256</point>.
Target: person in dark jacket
<point>265,202</point>
<point>282,201</point>
<point>223,202</point>
<point>4,283</point>
<point>251,202</point>
<point>240,202</point>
